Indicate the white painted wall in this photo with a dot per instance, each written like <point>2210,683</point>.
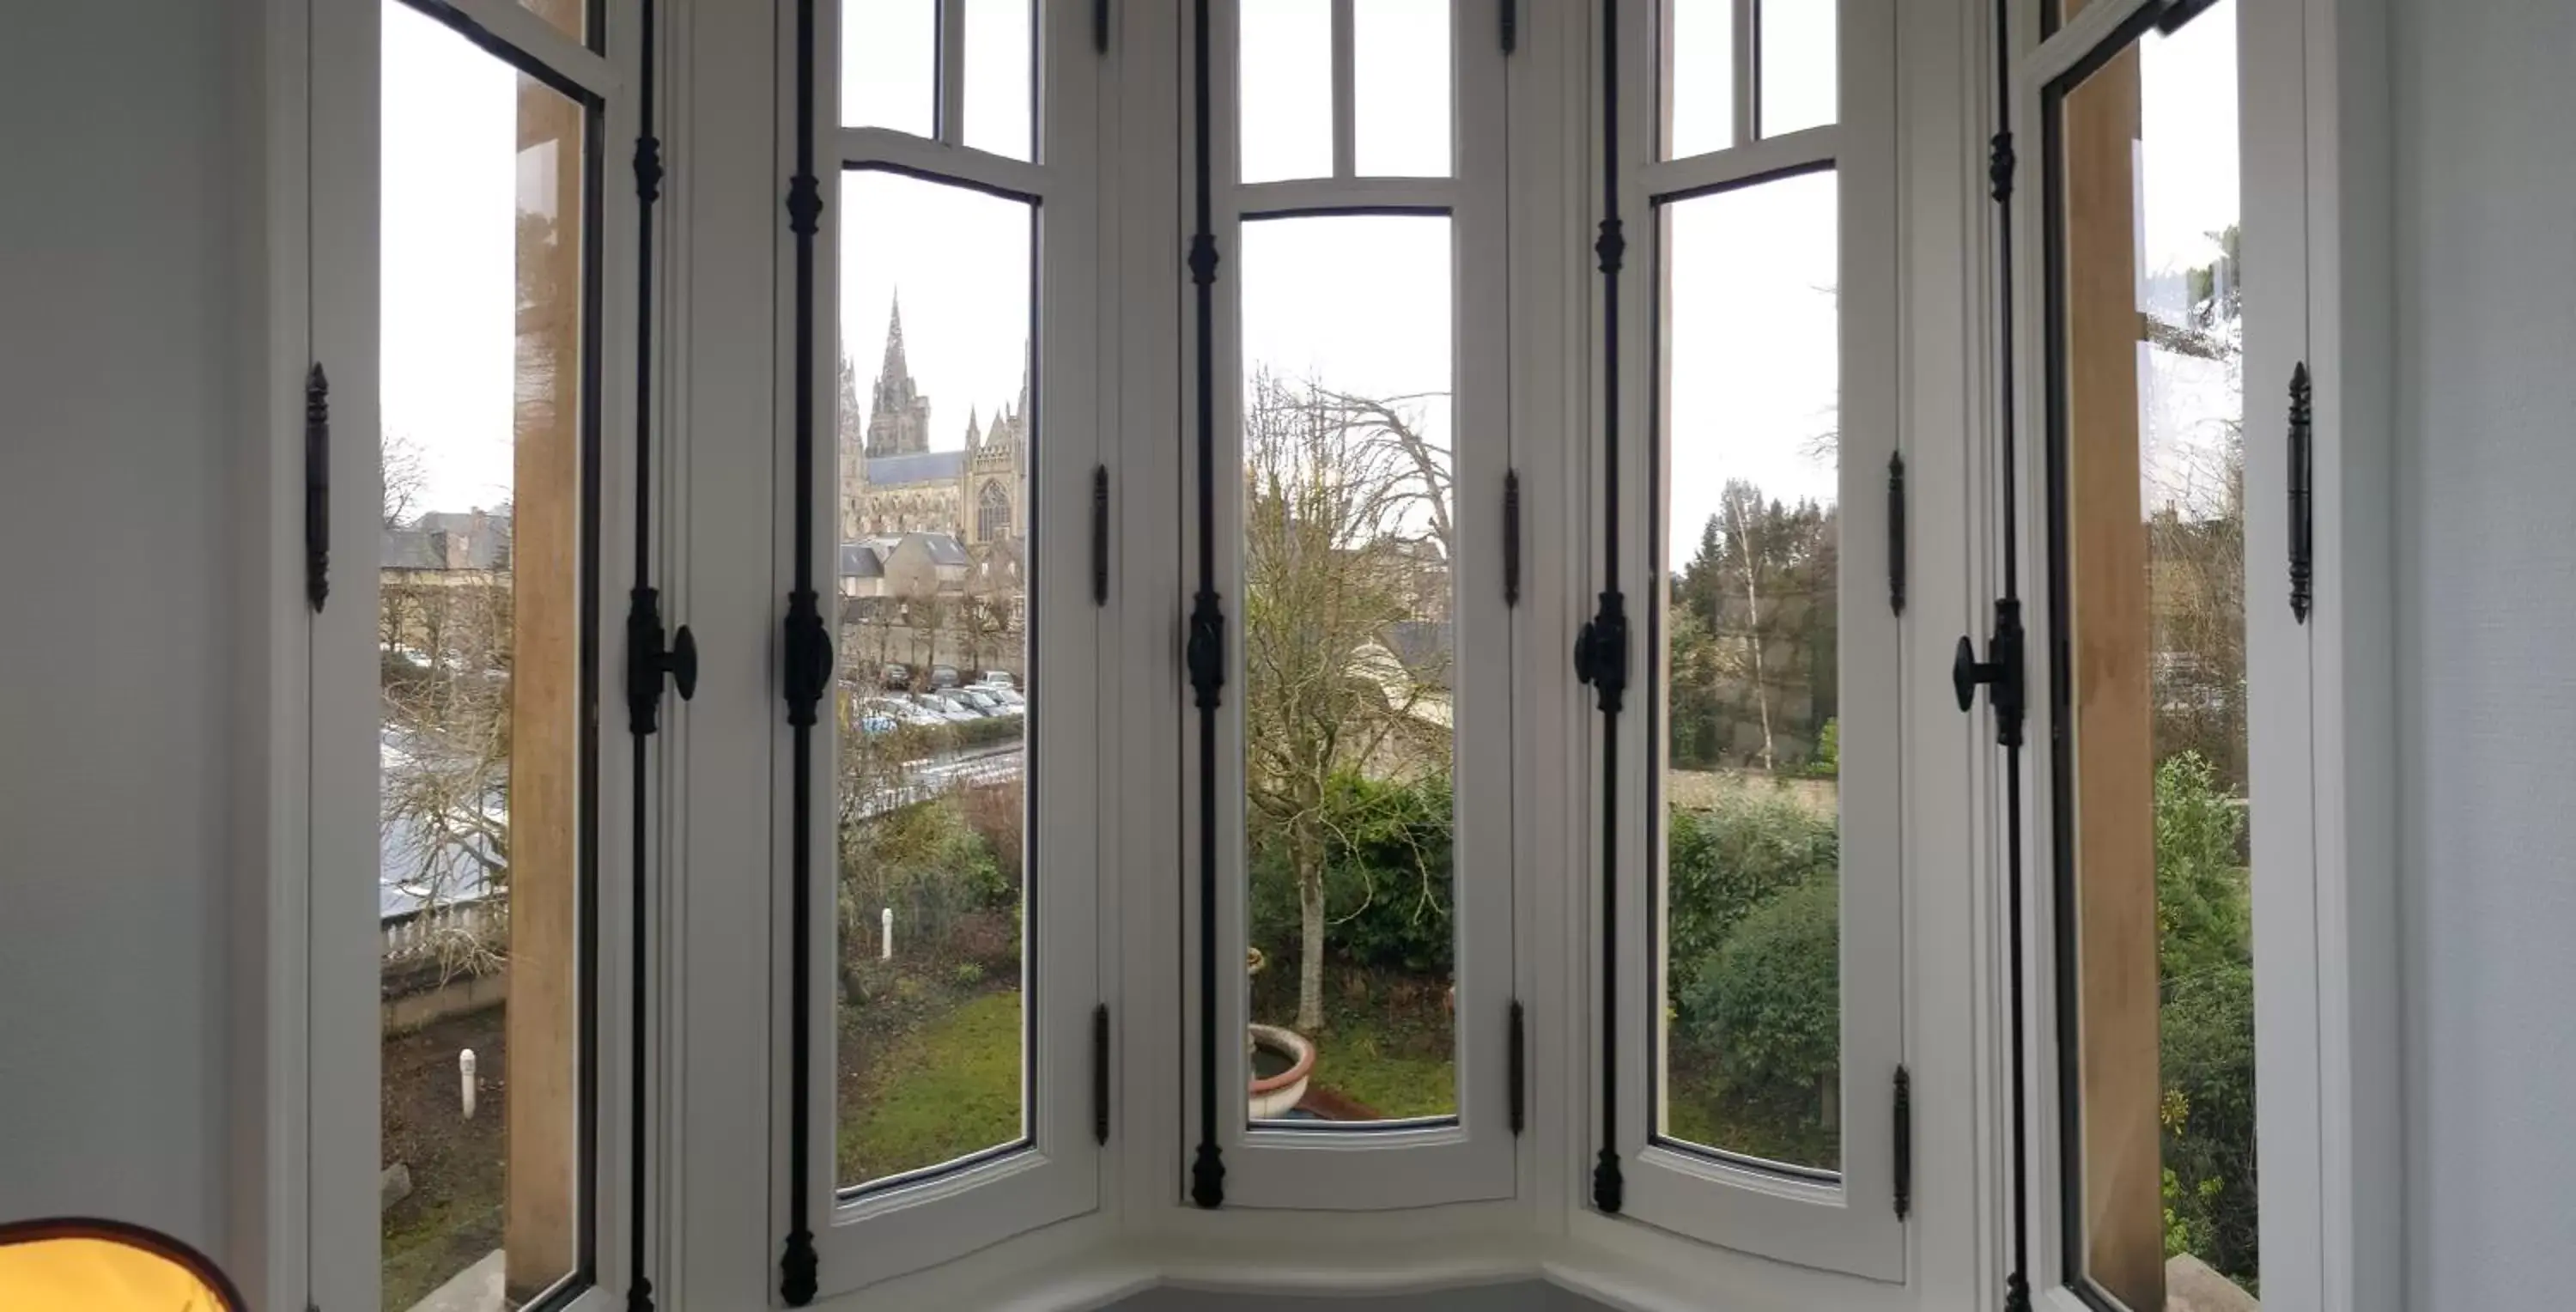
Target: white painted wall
<point>2486,478</point>
<point>120,391</point>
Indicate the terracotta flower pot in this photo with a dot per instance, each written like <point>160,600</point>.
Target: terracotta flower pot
<point>1273,1095</point>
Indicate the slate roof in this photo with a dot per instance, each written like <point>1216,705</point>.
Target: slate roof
<point>859,561</point>
<point>916,467</point>
<point>424,543</point>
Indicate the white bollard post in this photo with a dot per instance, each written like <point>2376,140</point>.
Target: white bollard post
<point>465,1079</point>
<point>885,940</point>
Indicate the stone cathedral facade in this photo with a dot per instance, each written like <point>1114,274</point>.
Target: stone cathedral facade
<point>893,482</point>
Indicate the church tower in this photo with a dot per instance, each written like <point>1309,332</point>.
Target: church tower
<point>853,451</point>
<point>898,414</point>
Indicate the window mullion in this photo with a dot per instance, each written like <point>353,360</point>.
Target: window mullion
<point>952,72</point>
<point>1345,95</point>
<point>1747,55</point>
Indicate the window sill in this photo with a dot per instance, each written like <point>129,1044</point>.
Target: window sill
<point>1621,1265</point>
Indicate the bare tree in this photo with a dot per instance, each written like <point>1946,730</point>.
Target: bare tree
<point>980,622</point>
<point>406,477</point>
<point>1329,493</point>
<point>446,692</point>
<point>1742,507</point>
<point>1392,428</point>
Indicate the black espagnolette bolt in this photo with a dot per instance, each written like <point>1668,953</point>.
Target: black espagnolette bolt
<point>1601,651</point>
<point>1206,651</point>
<point>651,658</point>
<point>2001,673</point>
<point>809,659</point>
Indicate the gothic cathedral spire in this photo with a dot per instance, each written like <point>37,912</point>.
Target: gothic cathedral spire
<point>898,414</point>
<point>894,369</point>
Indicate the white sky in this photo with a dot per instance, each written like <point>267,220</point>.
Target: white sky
<point>1751,273</point>
<point>2187,165</point>
<point>450,237</point>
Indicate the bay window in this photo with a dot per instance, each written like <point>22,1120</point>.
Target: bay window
<point>1315,623</point>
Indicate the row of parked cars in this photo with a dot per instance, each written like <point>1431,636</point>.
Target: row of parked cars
<point>993,698</point>
<point>895,676</point>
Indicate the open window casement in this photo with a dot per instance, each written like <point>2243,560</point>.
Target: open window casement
<point>940,936</point>
<point>2176,526</point>
<point>476,802</point>
<point>1743,653</point>
<point>1348,447</point>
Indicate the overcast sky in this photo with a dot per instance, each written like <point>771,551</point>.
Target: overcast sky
<point>1359,303</point>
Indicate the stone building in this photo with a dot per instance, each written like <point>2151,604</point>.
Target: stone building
<point>893,483</point>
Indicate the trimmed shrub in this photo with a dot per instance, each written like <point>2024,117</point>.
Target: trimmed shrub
<point>1768,1000</point>
<point>1723,863</point>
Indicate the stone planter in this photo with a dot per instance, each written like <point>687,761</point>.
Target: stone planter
<point>1274,1094</point>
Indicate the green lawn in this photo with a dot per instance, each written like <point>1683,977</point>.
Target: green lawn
<point>949,1089</point>
<point>1698,1109</point>
<point>953,1087</point>
<point>1362,1060</point>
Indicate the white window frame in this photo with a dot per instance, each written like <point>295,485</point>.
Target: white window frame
<point>1472,1157</point>
<point>2321,736</point>
<point>922,1219</point>
<point>1849,1224</point>
<point>326,965</point>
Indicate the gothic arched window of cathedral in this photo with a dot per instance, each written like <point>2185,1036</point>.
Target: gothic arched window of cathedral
<point>992,513</point>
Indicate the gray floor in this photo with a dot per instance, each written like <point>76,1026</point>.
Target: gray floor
<point>1529,1297</point>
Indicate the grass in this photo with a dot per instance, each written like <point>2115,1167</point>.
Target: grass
<point>453,1217</point>
<point>423,1253</point>
<point>1700,1109</point>
<point>943,1091</point>
<point>1395,1074</point>
<point>1387,1042</point>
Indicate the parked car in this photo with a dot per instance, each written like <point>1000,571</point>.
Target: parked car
<point>983,701</point>
<point>967,702</point>
<point>1007,696</point>
<point>998,679</point>
<point>873,723</point>
<point>902,710</point>
<point>947,711</point>
<point>896,677</point>
<point>943,676</point>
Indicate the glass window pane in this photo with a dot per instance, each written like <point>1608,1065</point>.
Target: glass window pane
<point>1001,76</point>
<point>481,876</point>
<point>1286,71</point>
<point>1698,76</point>
<point>934,680</point>
<point>570,17</point>
<point>890,65</point>
<point>1751,887</point>
<point>2147,447</point>
<point>1796,40</point>
<point>1347,651</point>
<point>1400,88</point>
